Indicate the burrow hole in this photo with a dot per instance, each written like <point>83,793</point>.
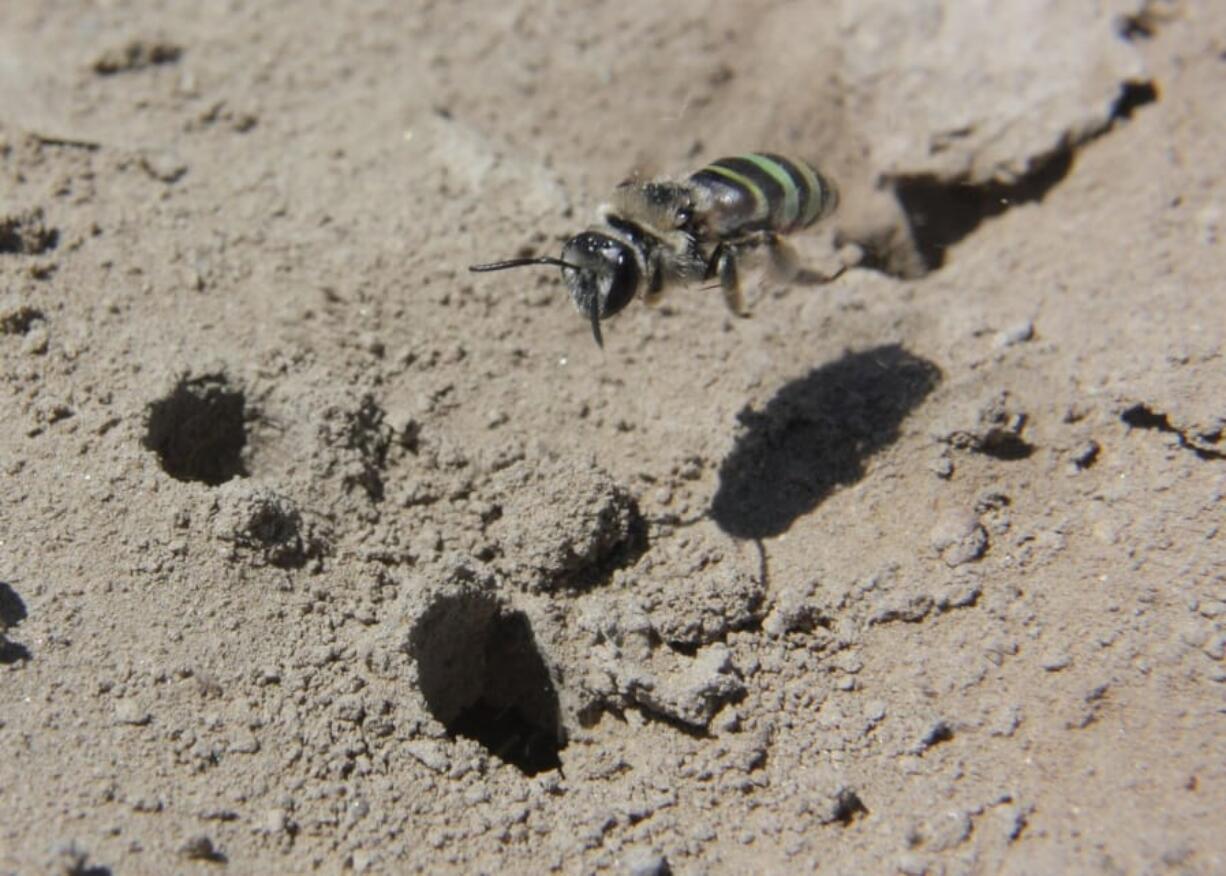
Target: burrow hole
<point>27,233</point>
<point>483,677</point>
<point>199,430</point>
<point>941,212</point>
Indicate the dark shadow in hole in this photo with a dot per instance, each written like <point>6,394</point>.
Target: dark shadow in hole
<point>1007,447</point>
<point>365,431</point>
<point>590,574</point>
<point>509,736</point>
<point>80,868</point>
<point>1141,416</point>
<point>13,652</point>
<point>698,733</point>
<point>19,319</point>
<point>27,234</point>
<point>199,430</point>
<point>12,608</point>
<point>941,213</point>
<point>814,435</point>
<point>1134,28</point>
<point>483,677</point>
<point>201,848</point>
<point>687,649</point>
<point>590,715</point>
<point>940,732</point>
<point>848,807</point>
<point>1133,96</point>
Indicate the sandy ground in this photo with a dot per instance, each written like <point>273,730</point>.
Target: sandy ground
<point>319,553</point>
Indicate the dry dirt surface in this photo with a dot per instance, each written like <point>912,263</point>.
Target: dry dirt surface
<point>319,553</point>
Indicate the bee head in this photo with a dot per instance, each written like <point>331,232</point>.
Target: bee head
<point>601,272</point>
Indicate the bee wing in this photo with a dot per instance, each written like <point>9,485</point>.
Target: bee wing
<point>784,266</point>
<point>782,262</point>
<point>770,266</point>
<point>642,168</point>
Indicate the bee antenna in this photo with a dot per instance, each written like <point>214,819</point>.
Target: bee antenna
<point>520,263</point>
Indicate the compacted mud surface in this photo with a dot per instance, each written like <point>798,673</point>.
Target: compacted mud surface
<point>319,553</point>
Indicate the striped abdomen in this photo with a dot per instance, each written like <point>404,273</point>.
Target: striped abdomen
<point>760,192</point>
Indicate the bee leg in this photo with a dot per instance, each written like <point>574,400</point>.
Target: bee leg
<point>655,285</point>
<point>809,277</point>
<point>725,267</point>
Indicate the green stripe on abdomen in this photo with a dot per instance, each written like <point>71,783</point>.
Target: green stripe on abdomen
<point>819,202</point>
<point>774,192</point>
<point>786,212</point>
<point>749,187</point>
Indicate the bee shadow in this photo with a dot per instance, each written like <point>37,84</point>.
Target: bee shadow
<point>12,612</point>
<point>815,435</point>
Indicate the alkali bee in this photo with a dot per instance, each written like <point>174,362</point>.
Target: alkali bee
<point>661,233</point>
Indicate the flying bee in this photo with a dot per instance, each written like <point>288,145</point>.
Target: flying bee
<point>661,233</point>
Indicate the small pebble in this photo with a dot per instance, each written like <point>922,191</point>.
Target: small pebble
<point>958,537</point>
<point>1018,333</point>
<point>1056,661</point>
<point>36,341</point>
<point>644,862</point>
<point>163,166</point>
<point>942,467</point>
<point>132,713</point>
<point>200,848</point>
<point>1085,454</point>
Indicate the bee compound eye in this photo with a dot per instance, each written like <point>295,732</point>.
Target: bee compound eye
<point>623,283</point>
